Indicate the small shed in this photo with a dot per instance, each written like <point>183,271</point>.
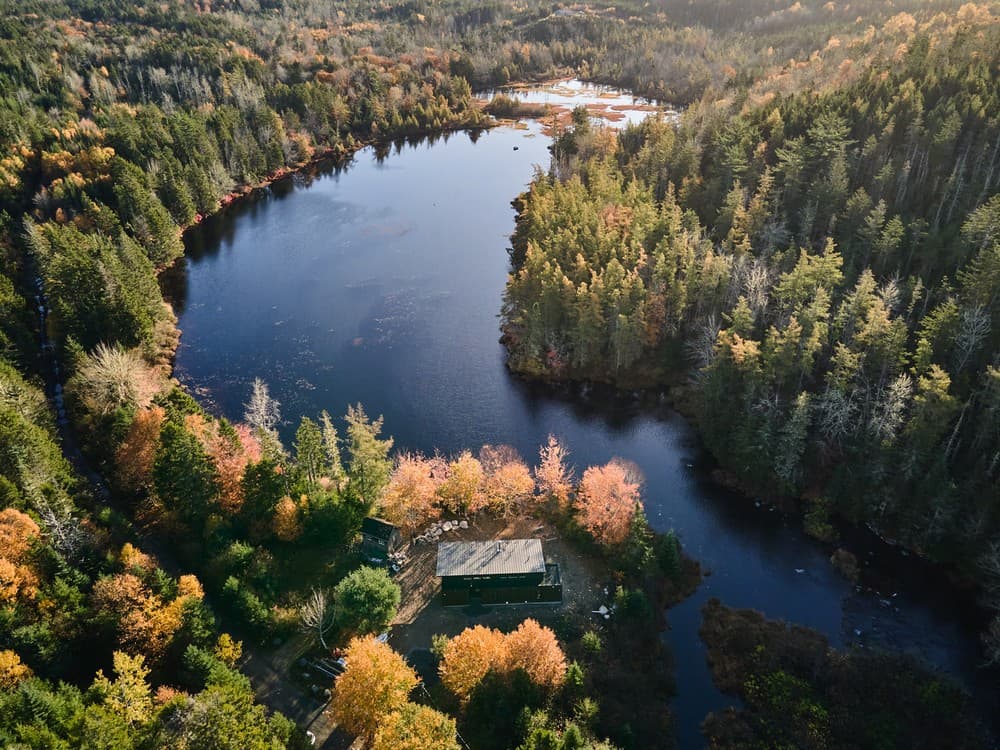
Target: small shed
<point>505,571</point>
<point>379,538</point>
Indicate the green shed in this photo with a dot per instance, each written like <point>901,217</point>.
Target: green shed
<point>379,539</point>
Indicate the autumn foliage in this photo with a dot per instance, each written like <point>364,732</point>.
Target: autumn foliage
<point>134,457</point>
<point>376,682</point>
<point>230,450</point>
<point>508,484</point>
<point>416,727</point>
<point>17,532</point>
<point>143,622</point>
<point>411,498</point>
<point>535,649</point>
<point>462,490</point>
<point>476,651</point>
<point>12,671</point>
<point>421,488</point>
<point>287,525</point>
<point>606,501</point>
<point>469,656</point>
<point>554,478</point>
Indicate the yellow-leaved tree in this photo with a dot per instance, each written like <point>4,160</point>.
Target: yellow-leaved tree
<point>376,683</point>
<point>416,727</point>
<point>462,490</point>
<point>12,671</point>
<point>411,498</point>
<point>128,695</point>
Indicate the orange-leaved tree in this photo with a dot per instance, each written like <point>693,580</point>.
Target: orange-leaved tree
<point>143,622</point>
<point>476,651</point>
<point>508,484</point>
<point>554,477</point>
<point>134,457</point>
<point>606,501</point>
<point>410,500</point>
<point>376,682</point>
<point>469,656</point>
<point>231,449</point>
<point>17,533</point>
<point>535,649</point>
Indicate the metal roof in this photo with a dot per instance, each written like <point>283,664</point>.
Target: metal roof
<point>499,557</point>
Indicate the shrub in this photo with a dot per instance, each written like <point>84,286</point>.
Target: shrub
<point>591,642</point>
<point>367,600</point>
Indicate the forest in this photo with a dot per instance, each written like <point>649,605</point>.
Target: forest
<point>824,260</point>
<point>817,239</point>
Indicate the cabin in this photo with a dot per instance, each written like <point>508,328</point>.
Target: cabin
<point>379,539</point>
<point>505,571</point>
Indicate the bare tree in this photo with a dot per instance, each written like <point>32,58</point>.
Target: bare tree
<point>700,348</point>
<point>55,511</point>
<point>974,329</point>
<point>890,294</point>
<point>316,615</point>
<point>64,530</point>
<point>756,285</point>
<point>890,408</point>
<point>835,415</point>
<point>111,377</point>
<point>262,412</point>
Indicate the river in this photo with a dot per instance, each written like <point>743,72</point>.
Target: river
<point>380,282</point>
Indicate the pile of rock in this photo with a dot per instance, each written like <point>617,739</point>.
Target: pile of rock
<point>437,529</point>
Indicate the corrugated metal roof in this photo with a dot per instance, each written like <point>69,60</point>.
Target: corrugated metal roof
<point>499,557</point>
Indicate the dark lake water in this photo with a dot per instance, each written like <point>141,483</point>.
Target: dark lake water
<point>380,283</point>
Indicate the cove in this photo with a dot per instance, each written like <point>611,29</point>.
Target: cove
<point>379,281</point>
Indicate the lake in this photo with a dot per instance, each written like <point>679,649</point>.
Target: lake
<point>380,282</point>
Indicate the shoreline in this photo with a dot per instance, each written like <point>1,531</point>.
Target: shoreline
<point>338,154</point>
<point>862,540</point>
